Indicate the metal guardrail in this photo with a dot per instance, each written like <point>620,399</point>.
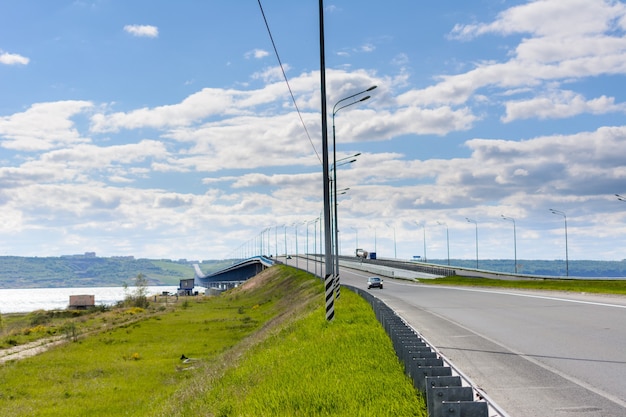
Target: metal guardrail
<point>408,266</point>
<point>448,391</point>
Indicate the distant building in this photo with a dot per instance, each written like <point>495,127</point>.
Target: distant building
<point>82,302</point>
<point>186,286</point>
<point>84,255</point>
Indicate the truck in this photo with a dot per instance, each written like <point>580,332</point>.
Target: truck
<point>361,253</point>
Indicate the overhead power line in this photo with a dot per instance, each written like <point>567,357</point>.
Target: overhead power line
<point>287,81</point>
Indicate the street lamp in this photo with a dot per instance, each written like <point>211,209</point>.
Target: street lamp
<point>285,226</point>
<point>296,228</point>
<point>560,213</point>
<point>476,224</point>
<point>514,237</point>
<point>424,226</point>
<point>620,198</point>
<point>356,234</point>
<point>447,239</point>
<point>335,111</point>
<point>395,252</point>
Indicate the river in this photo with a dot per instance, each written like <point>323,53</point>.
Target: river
<point>32,299</point>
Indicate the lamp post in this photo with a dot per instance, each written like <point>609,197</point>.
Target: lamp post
<point>395,251</point>
<point>560,213</point>
<point>447,239</point>
<point>375,249</point>
<point>423,225</point>
<point>620,197</point>
<point>335,111</point>
<point>315,244</point>
<point>356,235</point>
<point>285,226</point>
<point>306,247</point>
<point>336,247</point>
<point>514,238</point>
<point>476,224</point>
<point>328,261</point>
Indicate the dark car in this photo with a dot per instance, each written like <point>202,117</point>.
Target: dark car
<point>374,282</point>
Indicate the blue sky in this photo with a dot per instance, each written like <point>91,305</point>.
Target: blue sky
<point>165,129</point>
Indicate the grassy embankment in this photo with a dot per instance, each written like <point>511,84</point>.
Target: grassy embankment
<point>264,349</point>
<point>587,286</point>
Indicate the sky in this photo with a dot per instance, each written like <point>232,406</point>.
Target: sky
<point>164,129</point>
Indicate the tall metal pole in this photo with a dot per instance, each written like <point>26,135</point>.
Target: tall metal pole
<point>423,225</point>
<point>336,229</point>
<point>476,224</point>
<point>514,238</point>
<point>447,239</point>
<point>315,245</point>
<point>395,248</point>
<point>285,226</point>
<point>296,226</point>
<point>560,213</point>
<point>328,255</point>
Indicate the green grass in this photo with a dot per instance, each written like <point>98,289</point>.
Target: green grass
<point>313,368</point>
<point>588,286</point>
<point>262,349</point>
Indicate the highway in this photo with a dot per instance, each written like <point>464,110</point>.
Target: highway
<point>534,353</point>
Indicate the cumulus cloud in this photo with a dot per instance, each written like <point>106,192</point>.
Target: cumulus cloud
<point>559,105</point>
<point>205,103</point>
<point>89,166</point>
<point>575,17</point>
<point>256,53</point>
<point>146,31</point>
<point>13,59</point>
<point>586,40</point>
<point>43,126</point>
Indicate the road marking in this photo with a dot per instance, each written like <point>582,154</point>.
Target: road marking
<point>543,297</point>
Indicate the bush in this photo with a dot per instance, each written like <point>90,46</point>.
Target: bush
<point>139,298</point>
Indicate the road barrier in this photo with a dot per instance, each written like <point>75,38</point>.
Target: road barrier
<point>448,392</point>
<point>436,270</point>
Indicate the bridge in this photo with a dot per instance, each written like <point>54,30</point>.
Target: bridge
<point>232,276</point>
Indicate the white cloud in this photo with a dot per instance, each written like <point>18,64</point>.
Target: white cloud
<point>558,105</point>
<point>147,31</point>
<point>13,59</point>
<point>586,40</point>
<point>205,103</point>
<point>43,126</point>
<point>549,18</point>
<point>256,53</point>
<point>271,74</point>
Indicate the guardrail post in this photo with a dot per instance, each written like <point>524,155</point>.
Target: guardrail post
<point>463,409</point>
<point>435,396</point>
<point>444,394</point>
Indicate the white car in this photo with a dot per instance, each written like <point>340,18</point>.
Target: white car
<point>374,282</point>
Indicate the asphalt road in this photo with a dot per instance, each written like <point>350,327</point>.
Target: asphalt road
<point>534,353</point>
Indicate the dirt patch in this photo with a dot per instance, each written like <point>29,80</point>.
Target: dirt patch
<point>30,349</point>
